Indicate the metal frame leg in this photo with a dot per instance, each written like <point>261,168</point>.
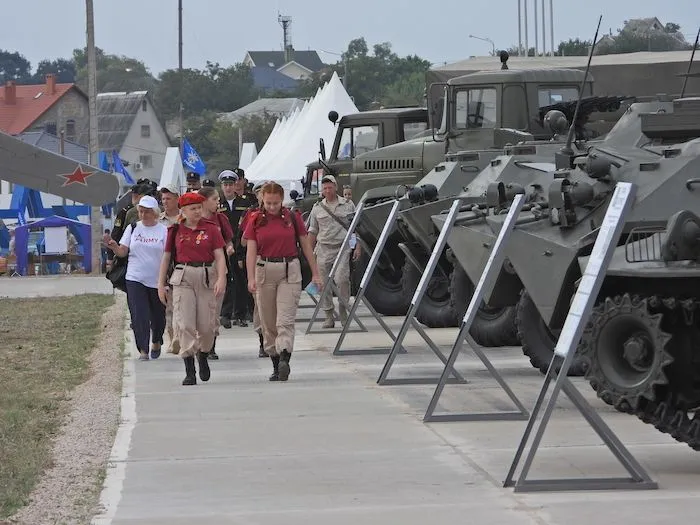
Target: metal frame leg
<point>410,319</point>
<point>487,280</point>
<point>360,297</point>
<point>576,320</point>
<point>330,285</point>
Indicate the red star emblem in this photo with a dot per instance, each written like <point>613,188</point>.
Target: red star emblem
<point>78,176</point>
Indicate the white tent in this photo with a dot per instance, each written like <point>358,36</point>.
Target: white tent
<point>248,154</point>
<point>173,173</point>
<point>294,144</point>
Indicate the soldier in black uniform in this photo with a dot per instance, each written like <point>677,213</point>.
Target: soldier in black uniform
<point>236,308</point>
<point>137,191</point>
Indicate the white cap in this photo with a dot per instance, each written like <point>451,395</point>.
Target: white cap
<point>149,202</point>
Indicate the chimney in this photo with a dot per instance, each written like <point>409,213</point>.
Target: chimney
<point>10,92</point>
<point>50,84</point>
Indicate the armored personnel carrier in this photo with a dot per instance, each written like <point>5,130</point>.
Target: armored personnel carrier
<point>474,234</point>
<point>484,112</point>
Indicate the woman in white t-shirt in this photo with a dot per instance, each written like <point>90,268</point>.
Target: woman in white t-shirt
<point>145,246</point>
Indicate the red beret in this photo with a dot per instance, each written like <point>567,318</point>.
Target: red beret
<point>190,197</point>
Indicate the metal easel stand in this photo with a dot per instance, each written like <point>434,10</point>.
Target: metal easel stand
<point>329,286</point>
<point>410,319</point>
<point>576,320</point>
<point>487,279</point>
<point>360,296</point>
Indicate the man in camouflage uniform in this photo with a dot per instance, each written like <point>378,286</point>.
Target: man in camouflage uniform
<point>327,235</point>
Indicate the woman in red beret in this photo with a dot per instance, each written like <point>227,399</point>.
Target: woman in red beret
<point>198,278</point>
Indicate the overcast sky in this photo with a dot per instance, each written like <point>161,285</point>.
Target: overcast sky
<point>223,30</point>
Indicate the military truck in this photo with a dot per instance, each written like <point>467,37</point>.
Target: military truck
<point>482,114</point>
<point>360,133</point>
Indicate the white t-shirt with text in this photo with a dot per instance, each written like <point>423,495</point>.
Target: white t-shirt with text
<point>146,247</point>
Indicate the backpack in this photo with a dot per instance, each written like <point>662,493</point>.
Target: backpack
<point>117,273</point>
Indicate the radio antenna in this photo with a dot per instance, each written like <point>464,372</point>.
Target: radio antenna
<point>690,64</point>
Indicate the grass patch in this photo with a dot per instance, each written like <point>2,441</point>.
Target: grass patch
<point>45,345</point>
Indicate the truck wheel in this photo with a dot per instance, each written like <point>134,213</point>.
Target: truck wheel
<point>537,339</point>
<point>384,291</point>
<point>492,327</point>
<point>435,310</point>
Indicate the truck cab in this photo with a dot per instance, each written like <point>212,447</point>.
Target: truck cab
<point>361,133</point>
<point>480,111</point>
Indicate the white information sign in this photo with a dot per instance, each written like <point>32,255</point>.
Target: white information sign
<point>56,240</point>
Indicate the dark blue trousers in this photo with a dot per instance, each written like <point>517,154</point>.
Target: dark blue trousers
<point>147,314</point>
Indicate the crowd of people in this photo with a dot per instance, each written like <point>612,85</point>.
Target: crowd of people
<point>201,260</point>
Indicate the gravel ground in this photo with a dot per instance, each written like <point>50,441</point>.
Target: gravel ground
<point>68,492</point>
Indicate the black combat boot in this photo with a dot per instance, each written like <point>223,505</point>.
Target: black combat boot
<point>261,351</point>
<point>190,372</point>
<point>204,372</point>
<point>275,368</point>
<point>212,353</point>
<point>284,365</point>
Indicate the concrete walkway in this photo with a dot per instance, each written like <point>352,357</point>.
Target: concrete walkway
<point>332,447</point>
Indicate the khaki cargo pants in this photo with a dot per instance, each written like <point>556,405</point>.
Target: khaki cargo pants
<point>174,347</point>
<point>277,298</point>
<point>325,257</point>
<point>194,308</point>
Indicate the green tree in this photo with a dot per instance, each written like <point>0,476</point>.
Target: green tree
<point>14,66</point>
<point>114,73</point>
<point>629,39</point>
<point>574,47</point>
<point>64,69</point>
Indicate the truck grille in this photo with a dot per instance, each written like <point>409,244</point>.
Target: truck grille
<point>389,164</point>
<point>644,244</point>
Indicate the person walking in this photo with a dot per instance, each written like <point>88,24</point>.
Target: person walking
<point>234,204</point>
<point>327,234</point>
<point>241,252</point>
<point>273,235</point>
<point>170,215</point>
<point>144,244</point>
<point>210,213</point>
<point>198,279</point>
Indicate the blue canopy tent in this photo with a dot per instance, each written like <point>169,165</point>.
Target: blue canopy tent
<point>22,239</point>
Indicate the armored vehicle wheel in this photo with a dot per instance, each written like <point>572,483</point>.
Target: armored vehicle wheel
<point>384,291</point>
<point>624,349</point>
<point>492,327</point>
<point>435,310</point>
<point>537,339</point>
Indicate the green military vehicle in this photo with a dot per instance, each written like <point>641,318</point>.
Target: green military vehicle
<point>478,117</point>
<point>360,133</point>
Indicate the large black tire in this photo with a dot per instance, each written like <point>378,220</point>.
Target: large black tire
<point>435,310</point>
<point>383,292</point>
<point>537,340</point>
<point>492,327</point>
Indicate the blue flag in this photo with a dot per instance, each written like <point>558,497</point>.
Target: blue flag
<point>21,219</point>
<point>119,168</point>
<point>191,159</point>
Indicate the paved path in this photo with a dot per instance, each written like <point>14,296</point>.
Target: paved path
<point>332,447</point>
<point>53,286</point>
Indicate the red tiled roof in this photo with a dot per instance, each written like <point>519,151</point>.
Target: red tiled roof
<point>28,107</point>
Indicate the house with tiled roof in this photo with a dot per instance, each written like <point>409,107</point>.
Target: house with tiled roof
<point>267,66</point>
<point>127,122</point>
<point>49,107</point>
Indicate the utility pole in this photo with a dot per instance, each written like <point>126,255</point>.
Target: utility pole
<point>544,33</point>
<point>551,24</point>
<point>179,69</point>
<point>537,36</point>
<point>520,28</point>
<point>95,212</point>
<point>527,44</point>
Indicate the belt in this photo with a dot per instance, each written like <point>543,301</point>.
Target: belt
<point>279,259</point>
<point>195,264</point>
<point>331,245</point>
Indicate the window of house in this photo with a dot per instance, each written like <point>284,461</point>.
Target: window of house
<point>144,106</point>
<point>145,131</point>
<point>476,109</point>
<point>70,130</point>
<point>50,127</point>
<point>146,161</point>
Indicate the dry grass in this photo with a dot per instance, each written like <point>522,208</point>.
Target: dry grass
<point>45,346</point>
